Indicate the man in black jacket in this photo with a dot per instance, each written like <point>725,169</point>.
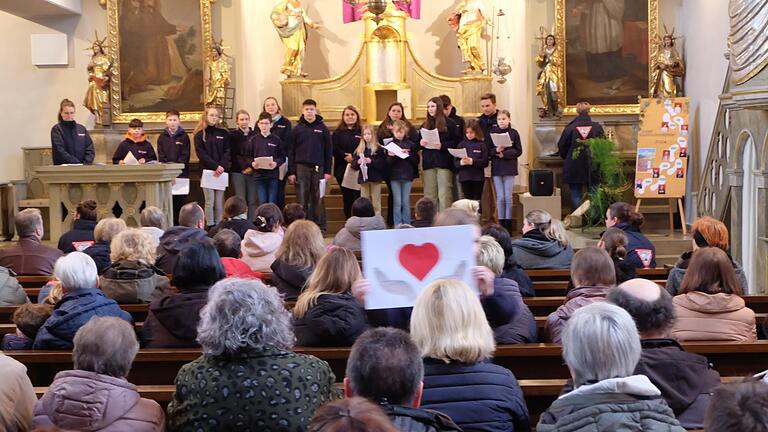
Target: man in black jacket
<point>385,367</point>
<point>577,169</point>
<point>189,232</point>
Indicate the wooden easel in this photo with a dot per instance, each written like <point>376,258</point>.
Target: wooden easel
<point>671,208</point>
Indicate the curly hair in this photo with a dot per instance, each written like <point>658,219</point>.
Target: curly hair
<point>133,245</point>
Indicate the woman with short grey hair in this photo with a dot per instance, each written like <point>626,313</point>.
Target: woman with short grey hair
<point>96,395</point>
<point>245,331</point>
<point>601,347</point>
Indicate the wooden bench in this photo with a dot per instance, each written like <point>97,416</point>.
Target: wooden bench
<point>554,282</point>
<point>545,305</point>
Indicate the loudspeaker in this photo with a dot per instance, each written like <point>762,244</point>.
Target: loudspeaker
<point>541,182</point>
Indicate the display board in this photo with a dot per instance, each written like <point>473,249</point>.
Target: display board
<point>662,148</point>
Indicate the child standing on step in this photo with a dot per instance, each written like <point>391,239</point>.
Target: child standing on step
<point>472,167</point>
<point>504,166</point>
<point>369,154</point>
<point>402,172</point>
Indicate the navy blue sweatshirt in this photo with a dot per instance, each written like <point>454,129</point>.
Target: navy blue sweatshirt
<point>311,146</point>
<point>260,146</point>
<point>478,151</point>
<point>282,128</point>
<point>214,150</point>
<point>140,150</point>
<point>506,164</point>
<point>71,144</point>
<point>404,169</point>
<point>377,169</point>
<point>237,139</point>
<point>459,120</point>
<point>487,122</point>
<point>174,149</point>
<point>441,158</point>
<point>384,132</point>
<point>344,141</point>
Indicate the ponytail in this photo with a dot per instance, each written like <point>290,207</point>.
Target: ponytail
<point>552,228</point>
<point>615,243</point>
<point>625,213</point>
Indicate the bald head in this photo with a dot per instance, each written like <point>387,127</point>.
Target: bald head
<point>649,305</point>
<point>642,289</point>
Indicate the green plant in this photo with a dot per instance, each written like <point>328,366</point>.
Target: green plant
<point>608,178</point>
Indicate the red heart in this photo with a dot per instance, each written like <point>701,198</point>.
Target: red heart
<point>419,260</point>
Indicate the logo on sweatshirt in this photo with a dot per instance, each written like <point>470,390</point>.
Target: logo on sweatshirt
<point>584,131</point>
<point>219,137</point>
<point>81,134</point>
<point>318,131</point>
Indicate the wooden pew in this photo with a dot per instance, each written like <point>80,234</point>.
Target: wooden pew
<point>542,306</point>
<point>554,282</point>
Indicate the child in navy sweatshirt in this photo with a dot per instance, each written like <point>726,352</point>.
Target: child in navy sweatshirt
<point>369,153</point>
<point>472,168</point>
<point>213,150</point>
<point>240,175</point>
<point>173,146</point>
<point>402,172</point>
<point>136,143</point>
<point>263,144</point>
<point>504,166</point>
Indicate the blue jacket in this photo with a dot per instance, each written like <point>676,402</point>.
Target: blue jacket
<point>478,397</point>
<point>311,146</point>
<point>73,311</point>
<point>637,244</point>
<point>71,144</point>
<point>82,231</point>
<point>100,253</point>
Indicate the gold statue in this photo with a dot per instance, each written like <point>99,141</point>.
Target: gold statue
<point>218,76</point>
<point>290,20</point>
<point>468,21</point>
<point>669,68</point>
<point>99,74</point>
<point>550,82</point>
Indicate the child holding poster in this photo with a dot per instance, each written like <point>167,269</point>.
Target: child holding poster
<point>371,161</point>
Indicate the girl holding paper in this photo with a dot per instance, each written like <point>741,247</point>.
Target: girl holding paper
<point>371,162</point>
<point>281,127</point>
<point>346,138</point>
<point>472,166</point>
<point>437,162</point>
<point>256,153</point>
<point>212,147</point>
<point>401,173</point>
<point>395,112</point>
<point>504,166</point>
<point>240,171</point>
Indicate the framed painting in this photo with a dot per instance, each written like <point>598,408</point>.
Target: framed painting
<point>160,52</point>
<point>610,52</point>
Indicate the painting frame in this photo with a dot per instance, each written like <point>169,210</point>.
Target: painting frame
<point>561,36</point>
<point>119,115</point>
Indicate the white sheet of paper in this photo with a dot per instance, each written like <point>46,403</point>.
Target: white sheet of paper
<point>432,136</point>
<point>350,178</point>
<point>323,184</point>
<point>398,264</point>
<point>282,170</point>
<point>209,181</point>
<point>458,153</point>
<point>263,162</point>
<point>364,170</point>
<point>396,150</point>
<point>181,187</point>
<point>501,140</point>
<point>130,159</point>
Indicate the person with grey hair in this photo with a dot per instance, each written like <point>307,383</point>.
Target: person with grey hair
<point>245,331</point>
<point>82,301</point>
<point>100,251</point>
<point>29,257</point>
<point>153,222</point>
<point>190,229</point>
<point>96,395</point>
<point>601,348</point>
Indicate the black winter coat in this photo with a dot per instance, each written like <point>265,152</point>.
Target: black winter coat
<point>288,279</point>
<point>214,151</point>
<point>441,158</point>
<point>71,144</point>
<point>82,231</point>
<point>311,146</point>
<point>579,170</point>
<point>377,169</point>
<point>513,271</point>
<point>506,163</point>
<point>174,149</point>
<point>335,320</point>
<point>237,141</point>
<point>172,242</point>
<point>521,328</point>
<point>344,141</point>
<point>172,320</point>
<point>100,253</point>
<point>404,169</point>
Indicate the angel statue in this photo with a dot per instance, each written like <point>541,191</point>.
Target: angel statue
<point>550,80</point>
<point>468,21</point>
<point>290,20</point>
<point>669,67</point>
<point>99,74</point>
<point>218,76</point>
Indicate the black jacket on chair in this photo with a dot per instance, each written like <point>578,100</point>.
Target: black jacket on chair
<point>335,320</point>
<point>82,231</point>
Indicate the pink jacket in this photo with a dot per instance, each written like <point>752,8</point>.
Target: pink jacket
<point>575,299</point>
<point>259,248</point>
<point>87,401</point>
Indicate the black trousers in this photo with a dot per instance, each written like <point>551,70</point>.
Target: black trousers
<point>348,196</point>
<point>308,193</point>
<point>178,203</point>
<point>472,190</point>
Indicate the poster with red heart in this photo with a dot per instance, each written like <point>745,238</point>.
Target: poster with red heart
<point>399,263</point>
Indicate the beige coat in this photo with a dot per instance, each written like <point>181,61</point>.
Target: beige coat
<point>17,397</point>
<point>713,317</point>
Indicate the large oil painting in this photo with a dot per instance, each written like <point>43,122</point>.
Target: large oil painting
<point>159,48</point>
<point>609,45</point>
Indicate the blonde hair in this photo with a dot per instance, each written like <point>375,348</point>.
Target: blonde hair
<point>552,228</point>
<point>204,121</point>
<point>55,294</point>
<point>303,244</point>
<point>335,273</point>
<point>133,245</point>
<point>490,254</point>
<point>108,228</point>
<point>470,206</point>
<point>448,323</point>
<point>374,144</point>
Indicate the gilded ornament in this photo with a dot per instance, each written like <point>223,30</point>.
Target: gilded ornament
<point>468,21</point>
<point>670,69</point>
<point>290,19</point>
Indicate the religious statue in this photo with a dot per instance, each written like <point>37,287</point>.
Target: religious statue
<point>290,20</point>
<point>218,76</point>
<point>669,68</point>
<point>468,21</point>
<point>550,82</point>
<point>99,74</point>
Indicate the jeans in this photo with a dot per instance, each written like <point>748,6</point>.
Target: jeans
<point>401,198</point>
<point>214,206</point>
<point>245,187</point>
<point>438,185</point>
<point>266,189</point>
<point>472,190</point>
<point>308,192</point>
<point>504,186</point>
<point>577,195</point>
<point>372,191</point>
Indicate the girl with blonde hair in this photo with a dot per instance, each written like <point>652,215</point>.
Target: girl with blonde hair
<point>544,243</point>
<point>302,247</point>
<point>212,144</point>
<point>374,157</point>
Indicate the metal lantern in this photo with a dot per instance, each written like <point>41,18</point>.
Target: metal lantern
<point>377,7</point>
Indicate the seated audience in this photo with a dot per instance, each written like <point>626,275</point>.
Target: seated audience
<point>522,327</point>
<point>17,396</point>
<point>83,223</point>
<point>544,243</point>
<point>512,269</point>
<point>132,277</point>
<point>302,248</point>
<point>172,320</point>
<point>363,218</point>
<point>353,414</point>
<point>593,276</point>
<point>190,229</point>
<point>28,318</point>
<point>245,331</point>
<point>641,253</point>
<point>51,292</point>
<point>709,305</point>
<point>601,348</point>
<point>95,395</point>
<point>235,217</point>
<point>82,300</point>
<point>686,380</point>
<point>11,291</point>
<point>449,327</point>
<point>706,232</point>
<point>424,213</point>
<point>385,367</point>
<point>614,241</point>
<point>470,206</point>
<point>326,312</point>
<point>738,407</point>
<point>260,245</point>
<point>101,250</point>
<point>293,212</point>
<point>227,244</point>
<point>153,223</point>
<point>29,257</point>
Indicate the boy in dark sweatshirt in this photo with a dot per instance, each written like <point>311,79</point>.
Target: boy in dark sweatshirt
<point>263,144</point>
<point>310,161</point>
<point>136,143</point>
<point>173,146</point>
